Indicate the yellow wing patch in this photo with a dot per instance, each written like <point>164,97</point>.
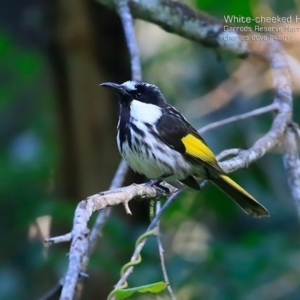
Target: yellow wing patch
<point>197,149</point>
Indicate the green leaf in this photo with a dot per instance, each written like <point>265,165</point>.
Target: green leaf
<point>153,288</point>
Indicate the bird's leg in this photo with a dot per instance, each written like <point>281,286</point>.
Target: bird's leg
<point>155,183</point>
<point>161,190</point>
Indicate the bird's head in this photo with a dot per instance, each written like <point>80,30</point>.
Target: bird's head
<point>137,90</point>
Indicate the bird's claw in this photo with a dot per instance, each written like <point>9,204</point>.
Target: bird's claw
<point>161,190</point>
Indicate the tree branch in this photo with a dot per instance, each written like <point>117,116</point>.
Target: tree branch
<point>104,214</point>
<point>283,99</point>
<point>126,18</point>
<point>249,114</point>
<point>99,202</point>
<point>176,17</point>
<point>162,257</point>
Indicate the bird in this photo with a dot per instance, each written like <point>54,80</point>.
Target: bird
<point>156,140</point>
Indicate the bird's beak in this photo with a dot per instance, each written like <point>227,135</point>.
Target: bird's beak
<point>117,87</point>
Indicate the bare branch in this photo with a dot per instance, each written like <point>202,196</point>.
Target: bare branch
<point>178,18</point>
<point>58,239</point>
<point>228,152</point>
<point>78,250</point>
<point>255,112</point>
<point>104,214</point>
<point>162,257</point>
<point>283,98</point>
<point>119,176</point>
<point>54,291</point>
<point>126,18</point>
<point>79,246</point>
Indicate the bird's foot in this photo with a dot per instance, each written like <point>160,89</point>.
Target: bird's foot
<point>161,190</point>
<point>155,181</point>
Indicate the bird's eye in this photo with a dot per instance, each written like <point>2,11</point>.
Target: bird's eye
<point>138,95</point>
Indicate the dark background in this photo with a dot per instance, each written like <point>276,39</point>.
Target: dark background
<point>57,139</point>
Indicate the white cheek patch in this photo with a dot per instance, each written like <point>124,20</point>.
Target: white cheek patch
<point>144,112</point>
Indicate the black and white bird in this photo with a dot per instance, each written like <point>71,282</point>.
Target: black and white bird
<point>157,141</point>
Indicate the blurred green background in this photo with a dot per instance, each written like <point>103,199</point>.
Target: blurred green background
<point>58,147</point>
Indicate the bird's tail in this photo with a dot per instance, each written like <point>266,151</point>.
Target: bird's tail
<point>240,196</point>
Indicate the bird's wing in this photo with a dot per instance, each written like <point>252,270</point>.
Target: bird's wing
<point>175,131</point>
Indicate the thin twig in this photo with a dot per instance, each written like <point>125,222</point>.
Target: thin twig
<point>228,152</point>
<point>162,257</point>
<point>58,239</point>
<point>78,250</point>
<point>127,22</point>
<point>54,291</point>
<point>119,176</point>
<point>140,246</point>
<point>79,246</point>
<point>255,112</point>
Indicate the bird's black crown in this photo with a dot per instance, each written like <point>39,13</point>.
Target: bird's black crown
<point>138,90</point>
